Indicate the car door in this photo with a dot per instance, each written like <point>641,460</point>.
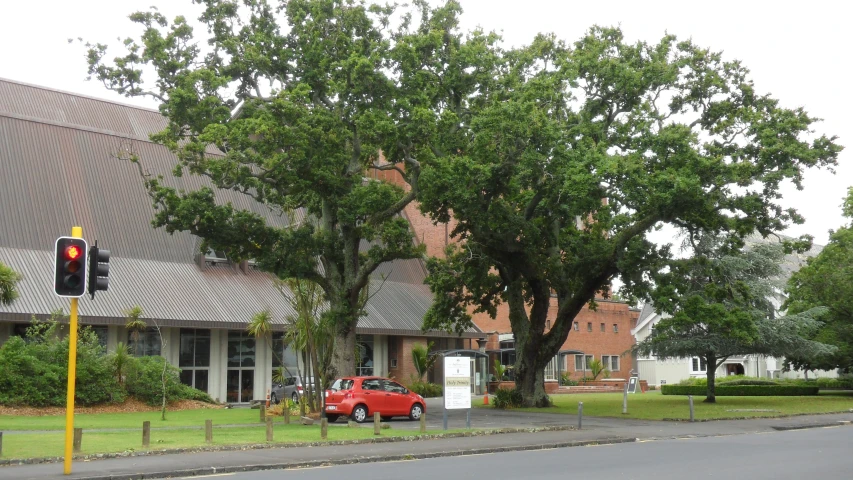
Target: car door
<point>396,400</point>
<point>373,395</point>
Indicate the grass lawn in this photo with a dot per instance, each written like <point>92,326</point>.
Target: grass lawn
<point>182,418</point>
<point>53,444</point>
<point>654,406</point>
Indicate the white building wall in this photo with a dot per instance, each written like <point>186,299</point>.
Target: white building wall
<point>380,355</point>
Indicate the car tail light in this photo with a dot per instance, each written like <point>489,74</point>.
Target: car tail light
<point>348,395</point>
<point>299,388</point>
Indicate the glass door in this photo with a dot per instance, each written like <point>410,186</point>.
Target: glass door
<point>240,379</point>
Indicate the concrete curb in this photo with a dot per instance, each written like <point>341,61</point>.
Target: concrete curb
<point>784,415</point>
<point>376,459</point>
<point>783,428</point>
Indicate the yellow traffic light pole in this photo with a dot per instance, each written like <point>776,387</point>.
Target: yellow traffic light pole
<point>76,232</point>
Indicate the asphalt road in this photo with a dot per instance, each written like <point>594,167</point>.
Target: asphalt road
<point>813,453</point>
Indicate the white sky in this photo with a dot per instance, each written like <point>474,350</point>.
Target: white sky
<point>797,51</point>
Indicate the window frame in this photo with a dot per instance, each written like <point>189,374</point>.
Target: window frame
<point>699,361</point>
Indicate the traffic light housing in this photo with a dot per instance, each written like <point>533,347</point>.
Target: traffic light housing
<point>70,267</point>
<point>99,269</point>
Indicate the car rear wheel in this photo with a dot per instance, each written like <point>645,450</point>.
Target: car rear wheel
<point>295,397</point>
<point>273,399</point>
<point>359,414</point>
<point>332,418</point>
<point>416,412</point>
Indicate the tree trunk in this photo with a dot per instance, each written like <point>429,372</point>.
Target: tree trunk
<point>711,375</point>
<point>530,376</point>
<point>343,358</point>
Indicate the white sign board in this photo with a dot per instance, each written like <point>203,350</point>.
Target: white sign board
<point>457,382</point>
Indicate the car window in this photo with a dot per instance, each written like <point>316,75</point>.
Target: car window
<point>342,384</point>
<point>372,384</point>
<point>394,387</point>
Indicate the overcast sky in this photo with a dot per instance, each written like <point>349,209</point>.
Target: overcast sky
<point>797,51</point>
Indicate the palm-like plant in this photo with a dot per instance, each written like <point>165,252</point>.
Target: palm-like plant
<point>260,327</point>
<point>500,370</point>
<point>135,325</point>
<point>422,359</point>
<point>120,358</point>
<point>8,281</point>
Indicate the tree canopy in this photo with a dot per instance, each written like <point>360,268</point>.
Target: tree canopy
<point>299,99</point>
<point>722,303</point>
<point>827,280</point>
<point>575,152</point>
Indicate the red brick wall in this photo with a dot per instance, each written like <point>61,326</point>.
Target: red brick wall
<point>405,366</point>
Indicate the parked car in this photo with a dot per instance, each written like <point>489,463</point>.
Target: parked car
<point>292,388</point>
<point>360,397</point>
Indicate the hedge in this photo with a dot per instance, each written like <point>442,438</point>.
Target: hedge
<point>741,390</point>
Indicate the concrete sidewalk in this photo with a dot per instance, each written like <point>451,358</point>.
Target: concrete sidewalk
<point>595,431</point>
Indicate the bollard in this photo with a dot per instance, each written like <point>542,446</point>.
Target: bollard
<point>468,419</point>
<point>423,422</point>
<point>1,444</point>
<point>269,429</point>
<point>690,401</point>
<point>146,434</point>
<point>324,428</point>
<point>377,423</point>
<point>263,411</point>
<point>286,412</point>
<point>580,415</point>
<point>78,439</point>
<point>625,400</point>
<point>208,431</point>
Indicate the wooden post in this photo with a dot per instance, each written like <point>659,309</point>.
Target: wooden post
<point>269,429</point>
<point>146,433</point>
<point>324,428</point>
<point>78,439</point>
<point>376,423</point>
<point>286,414</point>
<point>423,422</point>
<point>208,431</point>
<point>263,414</point>
<point>1,444</point>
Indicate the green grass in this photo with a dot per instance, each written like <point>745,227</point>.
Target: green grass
<point>183,418</point>
<point>654,406</point>
<point>52,444</point>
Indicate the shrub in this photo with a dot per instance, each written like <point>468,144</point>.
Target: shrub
<point>566,380</point>
<point>143,380</point>
<point>507,398</point>
<point>740,390</point>
<point>426,389</point>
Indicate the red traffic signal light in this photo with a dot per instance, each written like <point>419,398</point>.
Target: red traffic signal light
<point>70,267</point>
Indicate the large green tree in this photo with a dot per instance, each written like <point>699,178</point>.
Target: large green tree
<point>827,280</point>
<point>557,176</point>
<point>300,98</point>
<point>721,303</point>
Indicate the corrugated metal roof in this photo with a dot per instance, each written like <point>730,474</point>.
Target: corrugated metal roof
<point>58,169</point>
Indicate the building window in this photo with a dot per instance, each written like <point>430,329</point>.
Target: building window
<point>615,328</point>
<point>364,355</point>
<point>602,327</point>
<point>588,326</point>
<point>610,362</point>
<point>194,357</point>
<point>575,326</point>
<point>144,344</point>
<point>101,332</point>
<point>20,330</point>
<point>698,365</point>
<point>582,362</point>
<point>551,369</point>
<point>392,351</point>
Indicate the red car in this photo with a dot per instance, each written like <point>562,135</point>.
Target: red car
<point>360,397</point>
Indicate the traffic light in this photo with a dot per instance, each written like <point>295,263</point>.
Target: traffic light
<point>70,272</point>
<point>99,269</point>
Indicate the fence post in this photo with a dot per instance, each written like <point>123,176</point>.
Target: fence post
<point>1,444</point>
<point>324,428</point>
<point>286,411</point>
<point>146,433</point>
<point>269,429</point>
<point>690,400</point>
<point>625,400</point>
<point>423,422</point>
<point>208,431</point>
<point>376,423</point>
<point>78,439</point>
<point>580,415</point>
<point>263,411</point>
